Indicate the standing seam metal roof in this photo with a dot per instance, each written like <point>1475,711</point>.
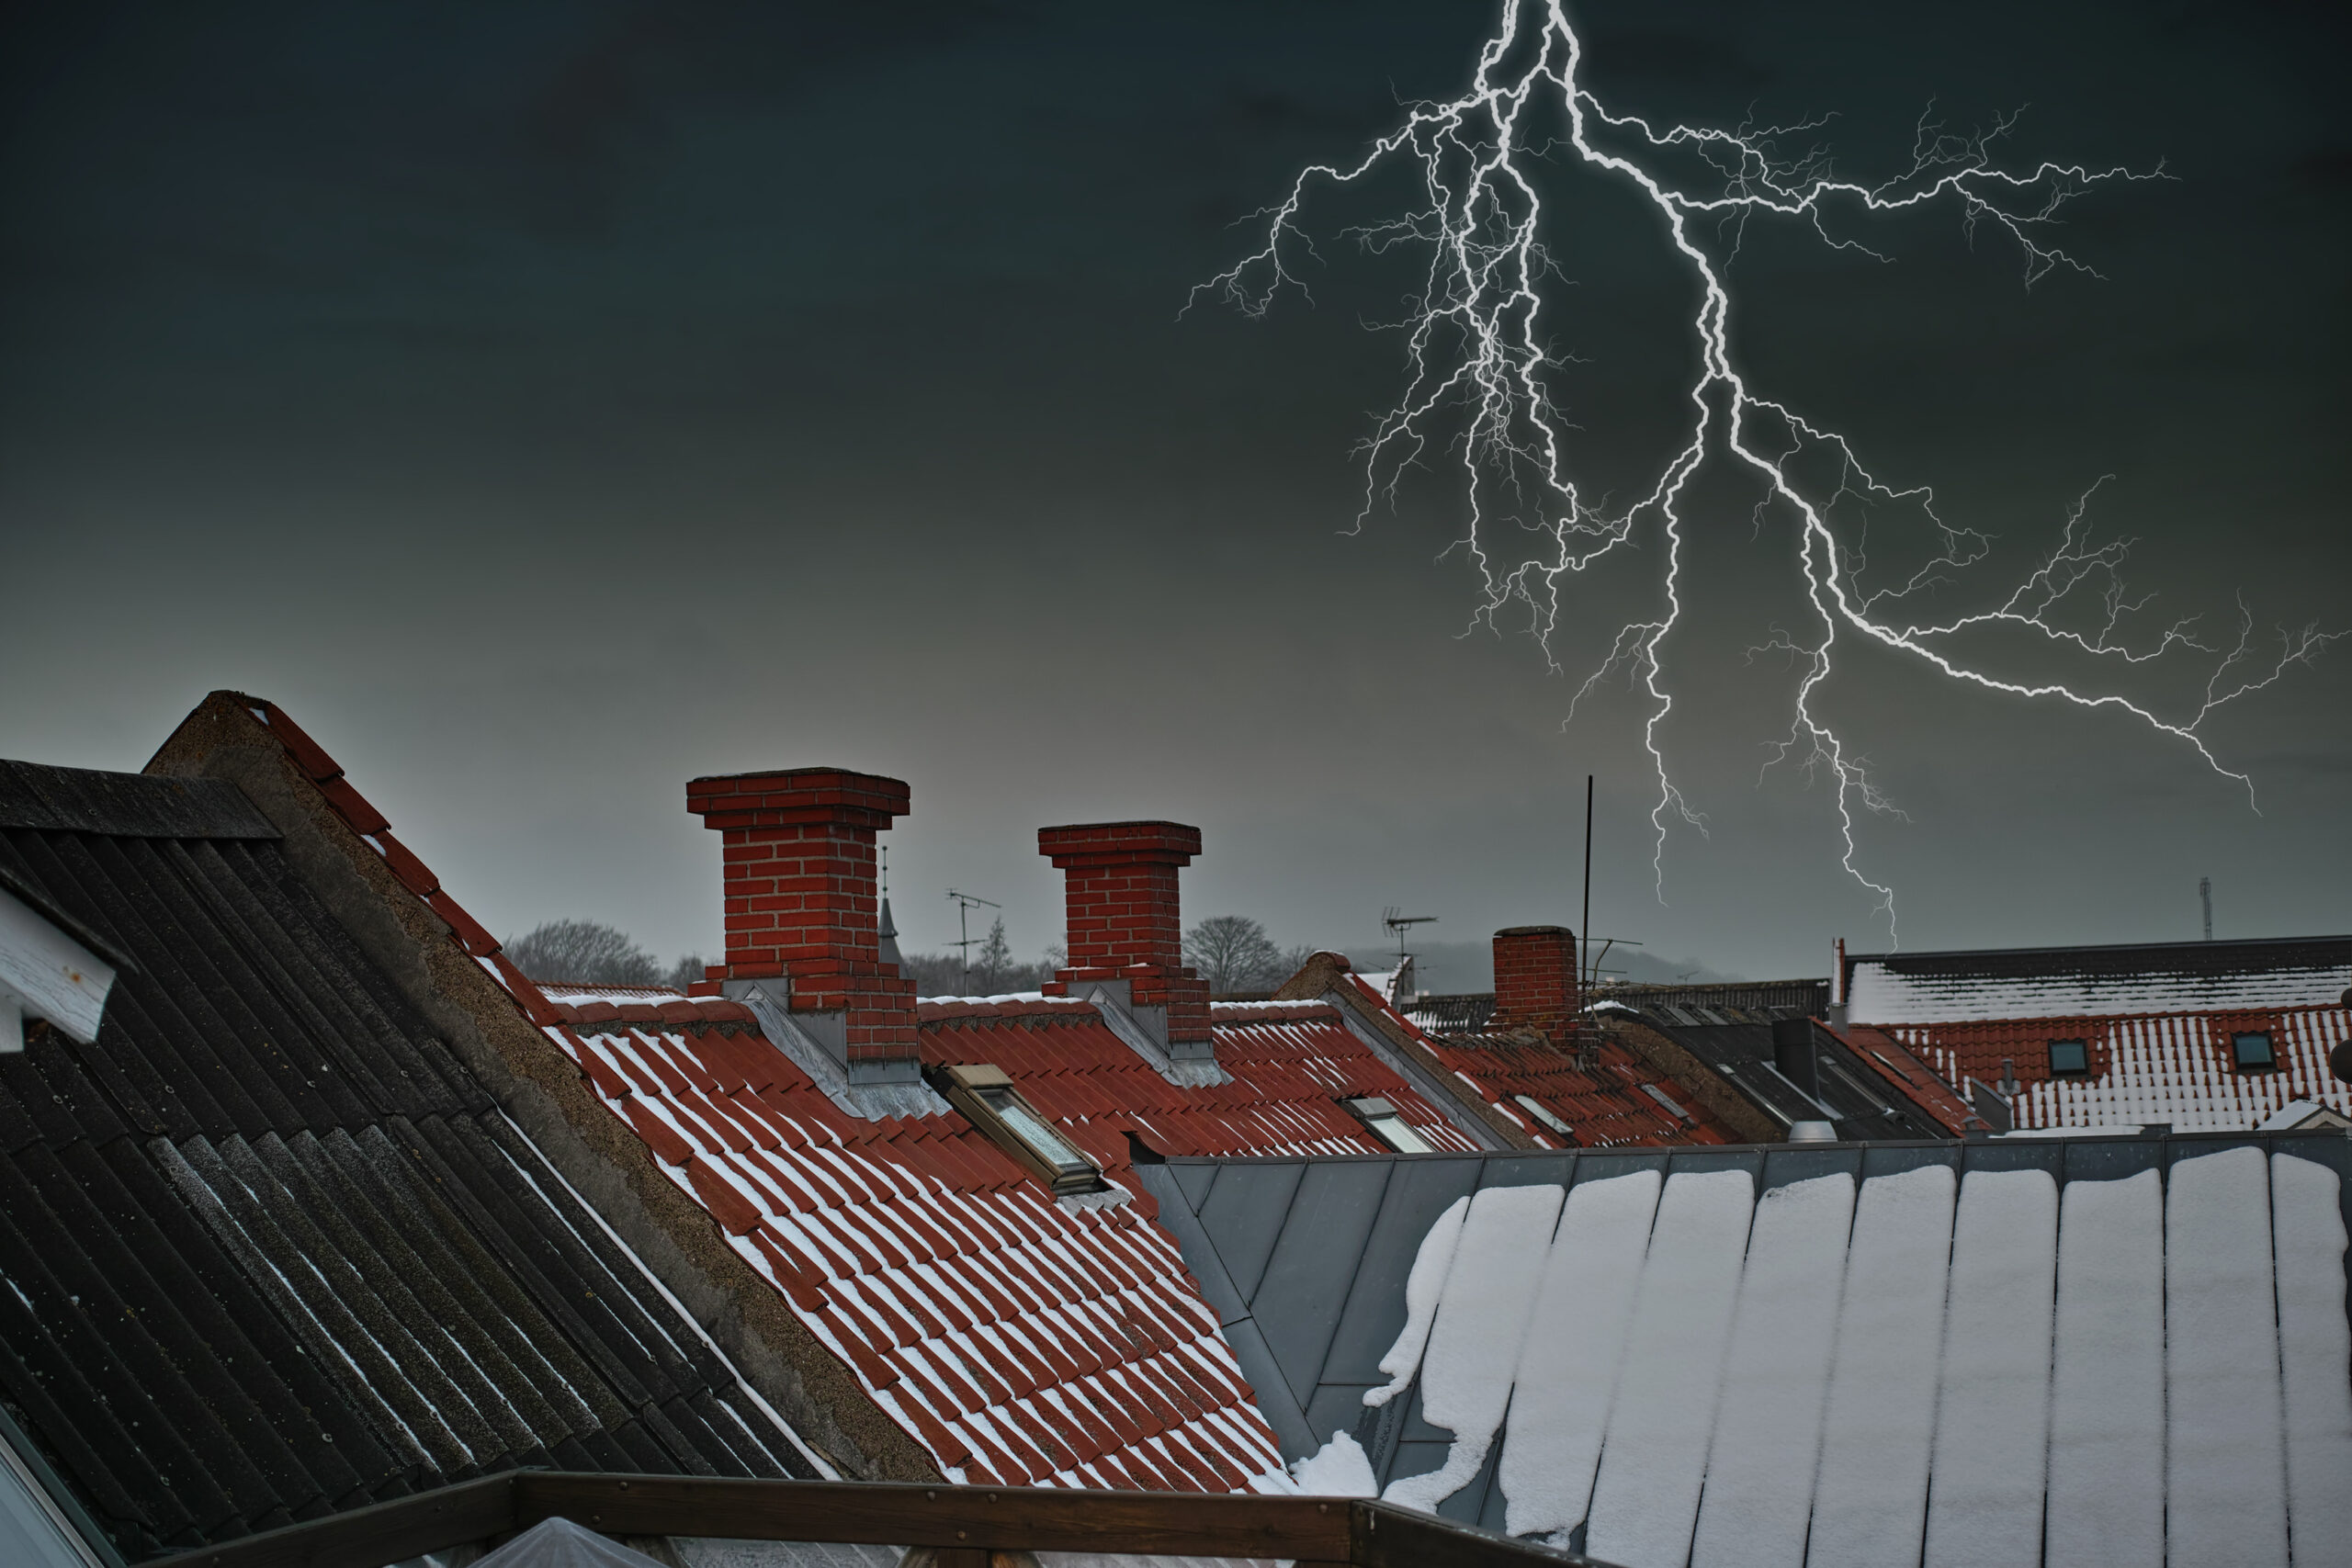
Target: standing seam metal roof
<point>2115,1350</point>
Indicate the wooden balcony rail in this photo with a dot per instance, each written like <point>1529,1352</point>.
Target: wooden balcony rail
<point>963,1524</point>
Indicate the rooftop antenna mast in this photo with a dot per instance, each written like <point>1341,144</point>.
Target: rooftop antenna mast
<point>1584,929</point>
<point>1399,924</point>
<point>965,904</point>
<point>2205,896</point>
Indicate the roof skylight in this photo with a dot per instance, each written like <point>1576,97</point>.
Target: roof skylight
<point>1534,1108</point>
<point>1380,1119</point>
<point>988,1100</point>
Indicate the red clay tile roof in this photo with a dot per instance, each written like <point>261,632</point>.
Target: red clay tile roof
<point>1291,1067</point>
<point>1022,1340</point>
<point>1895,1061</point>
<point>1601,1108</point>
<point>2145,1067</point>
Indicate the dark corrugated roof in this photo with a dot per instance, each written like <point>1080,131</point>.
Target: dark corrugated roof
<point>1851,1094</point>
<point>270,1250</point>
<point>2256,956</point>
<point>126,805</point>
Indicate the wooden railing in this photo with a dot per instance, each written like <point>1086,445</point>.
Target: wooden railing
<point>963,1524</point>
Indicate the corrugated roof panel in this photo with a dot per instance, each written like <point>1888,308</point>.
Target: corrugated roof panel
<point>276,1253</point>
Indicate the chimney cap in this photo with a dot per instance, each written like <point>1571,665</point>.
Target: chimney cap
<point>1535,931</point>
<point>1166,843</point>
<point>783,795</point>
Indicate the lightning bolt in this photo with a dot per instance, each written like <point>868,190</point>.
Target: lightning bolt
<point>1477,355</point>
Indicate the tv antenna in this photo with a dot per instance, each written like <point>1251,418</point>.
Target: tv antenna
<point>965,904</point>
<point>1398,925</point>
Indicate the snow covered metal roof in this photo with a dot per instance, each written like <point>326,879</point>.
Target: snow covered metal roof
<point>2122,1350</point>
<point>2063,982</point>
<point>270,1250</point>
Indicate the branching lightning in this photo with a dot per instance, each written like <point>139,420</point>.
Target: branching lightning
<point>1479,368</point>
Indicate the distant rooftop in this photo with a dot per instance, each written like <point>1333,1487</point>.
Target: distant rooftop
<point>2062,982</point>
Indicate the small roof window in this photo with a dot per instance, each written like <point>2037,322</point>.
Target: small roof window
<point>1380,1119</point>
<point>2069,1058</point>
<point>1660,1096</point>
<point>988,1100</point>
<point>1534,1108</point>
<point>2252,1050</point>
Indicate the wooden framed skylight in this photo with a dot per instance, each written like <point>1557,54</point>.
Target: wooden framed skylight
<point>988,1100</point>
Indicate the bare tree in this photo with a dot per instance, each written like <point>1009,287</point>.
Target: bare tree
<point>1234,954</point>
<point>585,953</point>
<point>993,962</point>
<point>687,971</point>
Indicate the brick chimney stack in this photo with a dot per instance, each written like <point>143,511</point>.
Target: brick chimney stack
<point>1535,978</point>
<point>801,908</point>
<point>1126,930</point>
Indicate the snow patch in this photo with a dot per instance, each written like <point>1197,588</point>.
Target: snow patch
<point>1992,1422</point>
<point>2106,1498</point>
<point>1768,1432</point>
<point>1424,1286</point>
<point>1569,1363</point>
<point>1870,1501</point>
<point>1473,1344</point>
<point>2315,1354</point>
<point>1647,1498</point>
<point>1338,1469</point>
<point>2224,1443</point>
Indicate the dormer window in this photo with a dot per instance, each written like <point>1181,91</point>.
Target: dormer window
<point>2069,1058</point>
<point>988,1100</point>
<point>2251,1051</point>
<point>1380,1119</point>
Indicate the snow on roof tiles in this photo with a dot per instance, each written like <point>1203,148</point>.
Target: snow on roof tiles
<point>2172,1067</point>
<point>1604,1105</point>
<point>978,1312</point>
<point>1021,1340</point>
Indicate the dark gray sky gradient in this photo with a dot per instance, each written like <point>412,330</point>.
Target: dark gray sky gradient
<point>546,403</point>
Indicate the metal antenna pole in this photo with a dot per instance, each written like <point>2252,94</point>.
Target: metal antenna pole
<point>1584,935</point>
<point>965,904</point>
<point>2205,896</point>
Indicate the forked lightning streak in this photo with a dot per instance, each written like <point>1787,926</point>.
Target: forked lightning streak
<point>1479,368</point>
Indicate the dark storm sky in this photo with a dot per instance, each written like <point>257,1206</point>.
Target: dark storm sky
<point>548,403</point>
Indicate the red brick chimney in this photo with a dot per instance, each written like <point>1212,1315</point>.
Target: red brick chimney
<point>801,908</point>
<point>1535,978</point>
<point>1125,932</point>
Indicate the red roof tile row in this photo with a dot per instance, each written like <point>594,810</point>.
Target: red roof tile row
<point>2175,1067</point>
<point>1605,1106</point>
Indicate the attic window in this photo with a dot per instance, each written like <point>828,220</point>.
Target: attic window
<point>1380,1119</point>
<point>988,1100</point>
<point>1659,1095</point>
<point>1529,1103</point>
<point>2069,1058</point>
<point>2253,1052</point>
